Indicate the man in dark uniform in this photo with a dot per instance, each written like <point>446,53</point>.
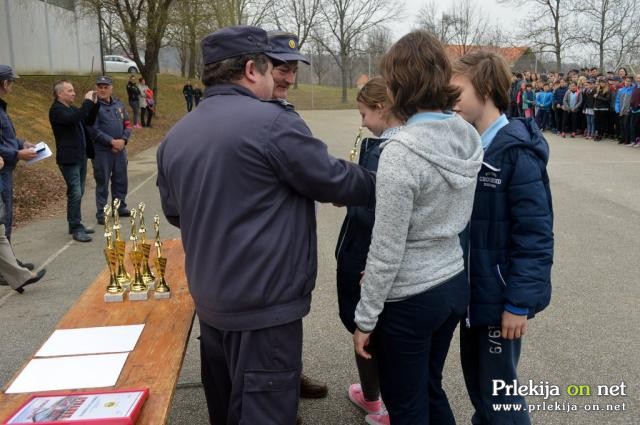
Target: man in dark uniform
<point>12,149</point>
<point>286,46</point>
<point>72,149</point>
<point>110,134</point>
<point>238,175</point>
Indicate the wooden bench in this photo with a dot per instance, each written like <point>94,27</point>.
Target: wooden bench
<point>157,358</point>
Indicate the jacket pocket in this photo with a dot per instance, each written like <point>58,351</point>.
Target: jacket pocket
<point>270,397</point>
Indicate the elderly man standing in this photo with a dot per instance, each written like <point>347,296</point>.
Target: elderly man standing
<point>238,175</point>
<point>72,149</point>
<point>110,134</point>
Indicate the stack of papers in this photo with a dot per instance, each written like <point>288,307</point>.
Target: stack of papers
<point>78,358</point>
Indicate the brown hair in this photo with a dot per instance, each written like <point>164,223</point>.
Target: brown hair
<point>232,69</point>
<point>374,94</point>
<point>489,74</point>
<point>418,74</point>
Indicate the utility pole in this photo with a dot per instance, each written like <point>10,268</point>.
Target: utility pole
<point>100,33</point>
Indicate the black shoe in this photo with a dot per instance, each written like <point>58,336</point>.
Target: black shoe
<point>124,212</point>
<point>81,236</point>
<point>100,220</point>
<point>310,388</point>
<point>29,266</point>
<point>37,277</point>
<point>87,230</point>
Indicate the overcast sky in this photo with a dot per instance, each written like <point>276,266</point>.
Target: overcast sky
<point>508,16</point>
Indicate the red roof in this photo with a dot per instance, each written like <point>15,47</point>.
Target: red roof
<point>511,54</point>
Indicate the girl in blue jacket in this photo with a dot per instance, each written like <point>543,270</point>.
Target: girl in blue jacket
<point>355,236</point>
<point>509,241</point>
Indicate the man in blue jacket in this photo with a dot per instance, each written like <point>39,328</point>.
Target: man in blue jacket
<point>238,175</point>
<point>510,240</point>
<point>110,134</point>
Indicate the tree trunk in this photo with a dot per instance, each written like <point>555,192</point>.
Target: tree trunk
<point>344,75</point>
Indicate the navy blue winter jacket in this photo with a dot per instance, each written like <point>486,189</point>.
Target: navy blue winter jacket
<point>511,229</point>
<point>558,95</point>
<point>354,240</point>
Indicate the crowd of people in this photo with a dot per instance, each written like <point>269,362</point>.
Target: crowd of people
<point>581,103</point>
<point>449,222</point>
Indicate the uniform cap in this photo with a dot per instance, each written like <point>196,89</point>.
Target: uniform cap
<point>287,47</point>
<point>7,73</point>
<point>235,41</point>
<point>104,79</point>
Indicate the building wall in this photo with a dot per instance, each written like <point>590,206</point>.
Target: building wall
<point>39,37</point>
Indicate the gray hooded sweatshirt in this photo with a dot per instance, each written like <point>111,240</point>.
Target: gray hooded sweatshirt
<point>425,186</point>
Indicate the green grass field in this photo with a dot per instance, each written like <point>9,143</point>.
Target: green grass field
<point>39,189</point>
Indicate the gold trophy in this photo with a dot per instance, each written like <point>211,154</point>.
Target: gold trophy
<point>139,290</point>
<point>162,289</point>
<point>145,247</point>
<point>114,292</point>
<point>121,273</point>
<point>355,150</point>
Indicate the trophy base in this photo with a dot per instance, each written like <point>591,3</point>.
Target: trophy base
<point>114,298</point>
<point>162,295</point>
<point>139,296</point>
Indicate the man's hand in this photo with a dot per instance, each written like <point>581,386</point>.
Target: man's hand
<point>117,144</point>
<point>28,145</point>
<point>514,326</point>
<point>27,153</point>
<point>1,163</point>
<point>91,95</point>
<point>361,340</point>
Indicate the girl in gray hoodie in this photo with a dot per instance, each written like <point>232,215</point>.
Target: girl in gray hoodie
<point>414,290</point>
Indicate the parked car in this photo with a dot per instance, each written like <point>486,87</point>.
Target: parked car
<point>116,63</point>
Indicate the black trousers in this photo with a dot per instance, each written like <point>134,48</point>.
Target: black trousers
<point>412,342</point>
<point>252,377</point>
<point>486,357</point>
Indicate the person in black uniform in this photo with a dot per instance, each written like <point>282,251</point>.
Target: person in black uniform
<point>110,134</point>
<point>251,267</point>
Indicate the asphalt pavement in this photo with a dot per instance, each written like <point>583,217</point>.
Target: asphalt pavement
<point>587,337</point>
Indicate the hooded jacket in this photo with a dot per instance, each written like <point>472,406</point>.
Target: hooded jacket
<point>511,229</point>
<point>424,195</point>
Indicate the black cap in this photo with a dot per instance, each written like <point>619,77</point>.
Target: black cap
<point>7,73</point>
<point>235,41</point>
<point>286,46</point>
<point>104,79</point>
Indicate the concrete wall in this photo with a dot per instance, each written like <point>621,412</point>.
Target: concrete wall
<point>40,38</point>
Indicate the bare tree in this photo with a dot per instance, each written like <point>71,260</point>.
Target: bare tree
<point>462,25</point>
<point>240,12</point>
<point>320,59</point>
<point>552,31</point>
<point>610,26</point>
<point>137,24</point>
<point>347,21</point>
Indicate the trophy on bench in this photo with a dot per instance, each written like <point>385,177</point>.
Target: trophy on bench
<point>115,292</point>
<point>162,289</point>
<point>145,247</point>
<point>121,272</point>
<point>139,289</point>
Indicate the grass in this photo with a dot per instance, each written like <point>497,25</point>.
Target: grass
<point>40,191</point>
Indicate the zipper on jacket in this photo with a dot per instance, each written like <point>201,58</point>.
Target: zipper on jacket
<point>346,229</point>
<point>500,275</point>
<point>468,318</point>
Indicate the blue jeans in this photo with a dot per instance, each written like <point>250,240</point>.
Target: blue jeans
<point>74,176</point>
<point>412,340</point>
<point>591,124</point>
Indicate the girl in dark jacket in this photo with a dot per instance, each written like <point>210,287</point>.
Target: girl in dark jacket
<point>355,236</point>
<point>601,109</point>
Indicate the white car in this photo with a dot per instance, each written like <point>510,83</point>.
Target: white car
<point>115,63</point>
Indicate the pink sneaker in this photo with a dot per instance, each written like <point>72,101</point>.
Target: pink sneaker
<point>378,419</point>
<point>357,397</point>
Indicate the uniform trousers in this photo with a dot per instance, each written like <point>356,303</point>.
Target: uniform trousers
<point>252,377</point>
<point>13,273</point>
<point>108,166</point>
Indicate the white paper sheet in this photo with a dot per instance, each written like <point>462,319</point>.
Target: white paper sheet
<point>106,339</point>
<point>43,151</point>
<point>66,373</point>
